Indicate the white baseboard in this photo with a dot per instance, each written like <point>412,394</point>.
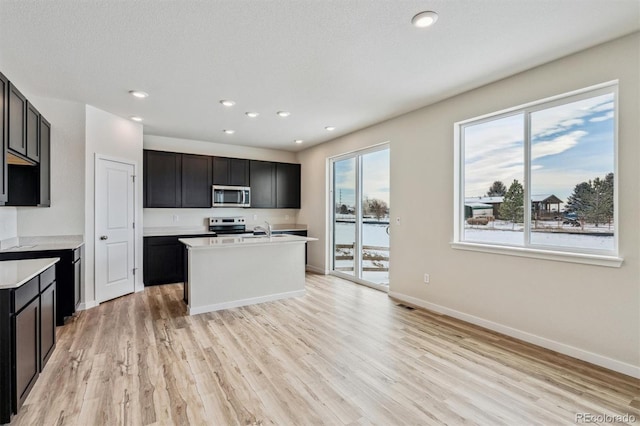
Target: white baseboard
<point>87,305</point>
<point>244,302</point>
<point>315,269</point>
<point>600,360</point>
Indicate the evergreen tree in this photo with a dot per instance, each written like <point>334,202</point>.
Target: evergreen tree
<point>497,189</point>
<point>512,207</point>
<point>592,201</point>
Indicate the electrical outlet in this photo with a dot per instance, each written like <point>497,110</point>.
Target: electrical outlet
<point>176,218</point>
<point>426,278</point>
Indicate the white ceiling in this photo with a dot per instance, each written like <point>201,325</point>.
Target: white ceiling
<point>345,63</point>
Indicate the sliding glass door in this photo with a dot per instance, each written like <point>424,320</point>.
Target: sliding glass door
<point>360,212</point>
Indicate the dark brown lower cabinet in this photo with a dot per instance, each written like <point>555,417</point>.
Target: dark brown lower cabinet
<point>26,328</point>
<point>27,338</point>
<point>163,259</point>
<point>69,281</point>
<point>47,323</point>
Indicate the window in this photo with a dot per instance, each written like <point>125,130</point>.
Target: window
<point>541,178</point>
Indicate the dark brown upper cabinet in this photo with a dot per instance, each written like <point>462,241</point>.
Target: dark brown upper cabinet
<point>4,129</point>
<point>17,121</point>
<point>287,186</point>
<point>230,171</point>
<point>32,133</point>
<point>45,163</point>
<point>162,179</point>
<point>263,184</point>
<point>196,181</point>
<point>174,180</point>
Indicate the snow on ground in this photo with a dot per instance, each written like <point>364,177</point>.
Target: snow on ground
<point>509,237</point>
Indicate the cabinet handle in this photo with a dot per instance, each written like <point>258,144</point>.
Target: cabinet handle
<point>104,237</point>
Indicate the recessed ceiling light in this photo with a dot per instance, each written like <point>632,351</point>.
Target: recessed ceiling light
<point>138,94</point>
<point>229,131</point>
<point>283,113</point>
<point>136,118</point>
<point>424,19</point>
<point>330,128</point>
<point>298,141</point>
<point>252,114</point>
<point>227,103</point>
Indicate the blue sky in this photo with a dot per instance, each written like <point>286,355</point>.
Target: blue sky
<point>375,172</point>
<point>571,143</point>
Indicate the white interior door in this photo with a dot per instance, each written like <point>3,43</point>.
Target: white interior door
<point>114,239</point>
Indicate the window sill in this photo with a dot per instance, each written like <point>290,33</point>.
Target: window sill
<point>558,256</point>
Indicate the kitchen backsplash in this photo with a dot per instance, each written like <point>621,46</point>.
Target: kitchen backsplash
<point>199,217</point>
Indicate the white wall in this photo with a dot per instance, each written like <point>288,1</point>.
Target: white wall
<point>591,312</point>
<point>113,136</point>
<point>197,217</point>
<point>66,214</point>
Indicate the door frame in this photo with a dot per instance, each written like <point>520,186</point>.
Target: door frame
<point>331,216</point>
<point>96,238</point>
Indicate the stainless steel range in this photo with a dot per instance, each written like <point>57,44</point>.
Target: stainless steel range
<point>227,225</point>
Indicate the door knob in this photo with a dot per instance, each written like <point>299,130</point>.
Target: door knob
<point>104,237</point>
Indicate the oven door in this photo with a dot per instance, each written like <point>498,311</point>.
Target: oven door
<point>230,196</point>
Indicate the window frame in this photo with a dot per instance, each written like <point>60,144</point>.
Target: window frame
<point>539,251</point>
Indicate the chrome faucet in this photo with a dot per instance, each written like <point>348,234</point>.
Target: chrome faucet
<point>267,230</point>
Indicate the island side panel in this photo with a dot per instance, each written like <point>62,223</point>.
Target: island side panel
<point>226,277</point>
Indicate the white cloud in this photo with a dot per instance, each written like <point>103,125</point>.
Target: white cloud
<point>605,117</point>
<point>557,145</point>
<point>549,121</point>
<point>607,106</point>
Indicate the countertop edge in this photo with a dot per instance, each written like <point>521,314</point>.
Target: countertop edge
<point>37,271</point>
<point>253,242</point>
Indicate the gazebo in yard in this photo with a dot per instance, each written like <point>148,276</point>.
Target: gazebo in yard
<point>542,206</point>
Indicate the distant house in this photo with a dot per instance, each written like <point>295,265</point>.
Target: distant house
<point>473,209</point>
<point>491,202</point>
<point>545,206</point>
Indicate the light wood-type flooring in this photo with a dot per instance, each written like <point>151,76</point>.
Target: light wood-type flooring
<point>342,354</point>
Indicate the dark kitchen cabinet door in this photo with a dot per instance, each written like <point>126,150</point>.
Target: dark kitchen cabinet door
<point>196,181</point>
<point>238,172</point>
<point>230,171</point>
<point>220,171</point>
<point>45,163</point>
<point>288,186</point>
<point>163,260</point>
<point>26,332</point>
<point>162,179</point>
<point>17,121</point>
<point>4,131</point>
<point>47,323</point>
<point>263,184</point>
<point>32,133</point>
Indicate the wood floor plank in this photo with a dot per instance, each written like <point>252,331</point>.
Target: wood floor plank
<point>341,355</point>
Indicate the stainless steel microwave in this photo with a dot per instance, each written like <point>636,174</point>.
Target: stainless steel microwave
<point>231,196</point>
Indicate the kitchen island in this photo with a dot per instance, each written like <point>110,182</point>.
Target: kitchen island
<point>230,271</point>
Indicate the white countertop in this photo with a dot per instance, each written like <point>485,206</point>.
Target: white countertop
<point>14,273</point>
<point>48,243</point>
<point>166,231</point>
<point>242,241</point>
